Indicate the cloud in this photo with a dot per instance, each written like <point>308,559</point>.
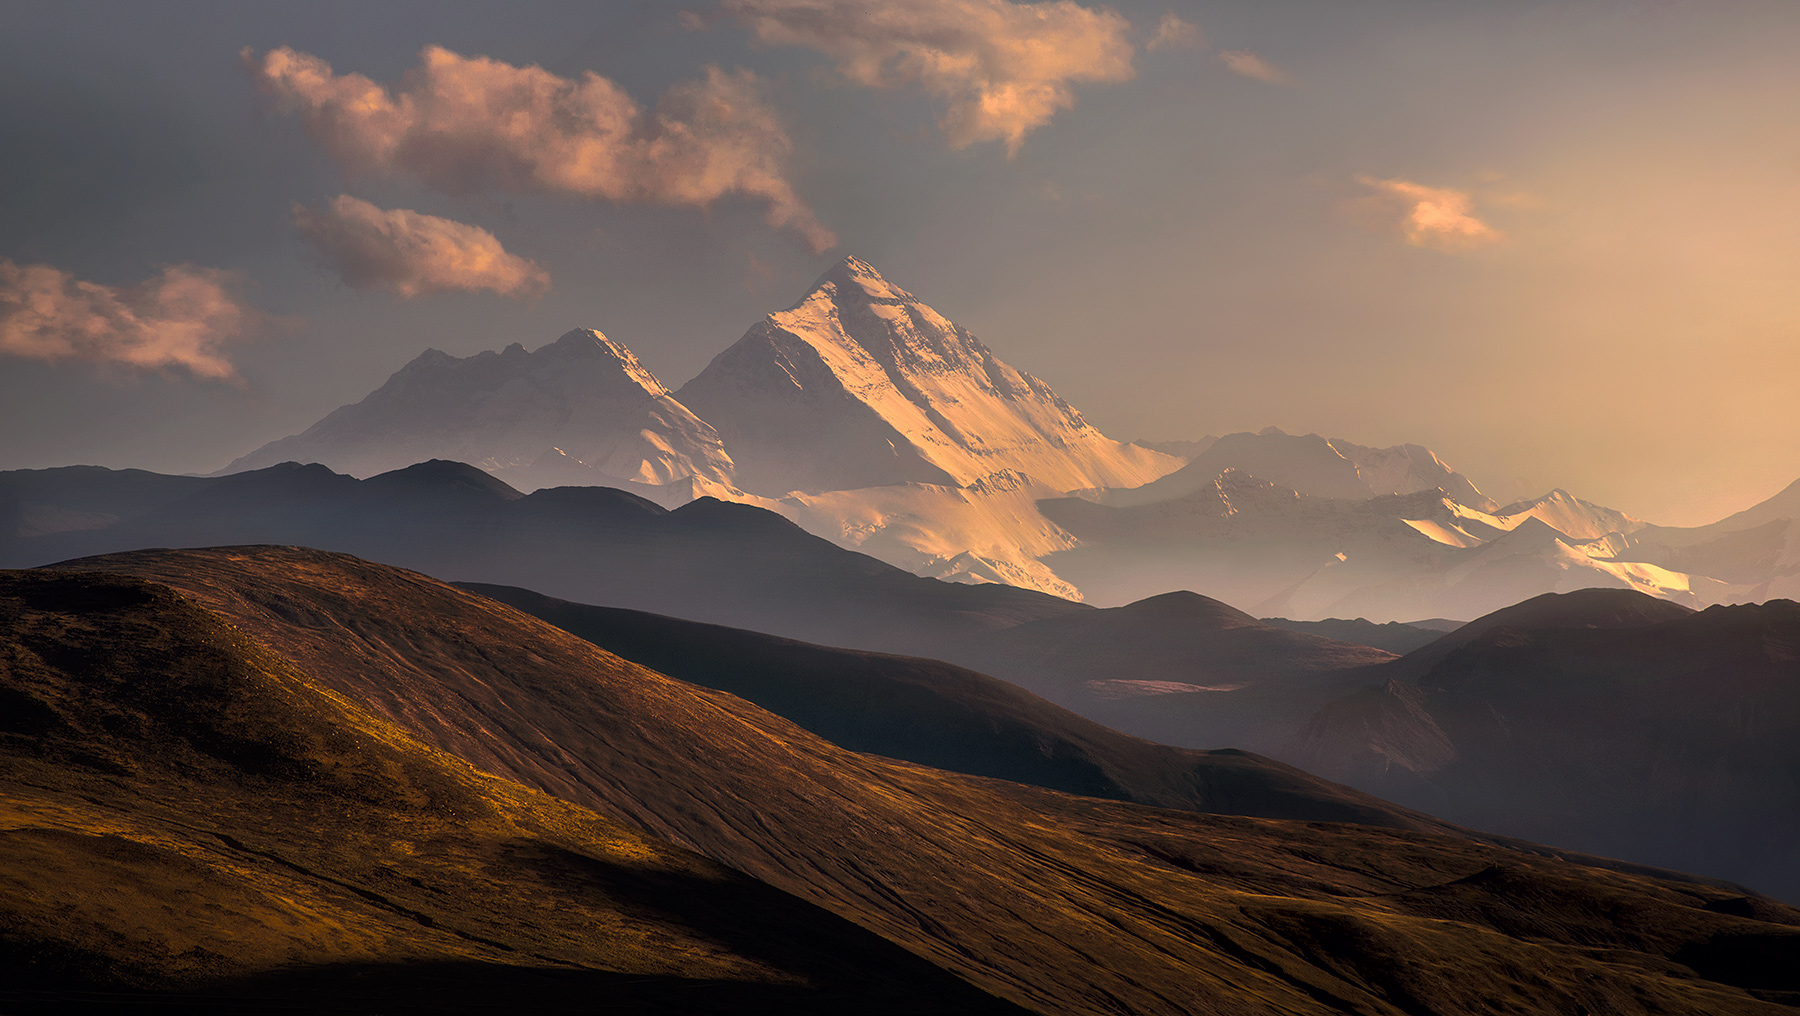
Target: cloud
<point>463,124</point>
<point>182,318</point>
<point>1242,61</point>
<point>1174,33</point>
<point>1000,69</point>
<point>1437,217</point>
<point>409,254</point>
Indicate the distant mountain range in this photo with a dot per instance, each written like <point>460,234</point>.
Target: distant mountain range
<point>866,417</point>
<point>1178,668</point>
<point>254,777</point>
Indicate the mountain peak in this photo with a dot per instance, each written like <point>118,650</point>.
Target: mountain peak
<point>592,344</point>
<point>860,384</point>
<point>854,279</point>
<point>584,393</point>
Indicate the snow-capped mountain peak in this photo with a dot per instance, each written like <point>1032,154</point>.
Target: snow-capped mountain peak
<point>591,344</point>
<point>585,397</point>
<point>860,384</point>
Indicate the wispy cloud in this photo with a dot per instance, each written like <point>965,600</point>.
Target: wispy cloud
<point>1248,64</point>
<point>182,318</point>
<point>1172,32</point>
<point>464,124</point>
<point>1441,218</point>
<point>409,254</point>
<point>1001,70</point>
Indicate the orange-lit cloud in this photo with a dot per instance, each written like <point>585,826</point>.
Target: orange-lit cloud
<point>1437,217</point>
<point>1001,69</point>
<point>1248,64</point>
<point>1174,33</point>
<point>464,124</point>
<point>409,254</point>
<point>182,318</point>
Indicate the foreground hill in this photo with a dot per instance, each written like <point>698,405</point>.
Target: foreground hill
<point>1604,720</point>
<point>190,822</point>
<point>948,717</point>
<point>1063,904</point>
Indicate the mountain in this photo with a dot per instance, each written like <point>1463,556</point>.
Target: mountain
<point>191,822</point>
<point>1276,550</point>
<point>987,531</point>
<point>1179,668</point>
<point>708,560</point>
<point>1310,465</point>
<point>1391,636</point>
<point>1058,903</point>
<point>42,502</point>
<point>1606,720</point>
<point>948,717</point>
<point>1757,548</point>
<point>860,384</point>
<point>579,410</point>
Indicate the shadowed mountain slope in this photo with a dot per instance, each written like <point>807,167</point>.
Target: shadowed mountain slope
<point>1605,720</point>
<point>1610,609</point>
<point>708,560</point>
<point>582,406</point>
<point>1065,904</point>
<point>190,822</point>
<point>35,503</point>
<point>1390,636</point>
<point>1180,668</point>
<point>948,717</point>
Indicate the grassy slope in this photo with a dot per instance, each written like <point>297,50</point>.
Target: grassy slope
<point>1066,904</point>
<point>183,811</point>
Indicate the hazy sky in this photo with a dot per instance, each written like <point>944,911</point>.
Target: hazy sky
<point>1558,243</point>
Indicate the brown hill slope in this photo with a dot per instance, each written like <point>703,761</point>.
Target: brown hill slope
<point>1069,905</point>
<point>190,822</point>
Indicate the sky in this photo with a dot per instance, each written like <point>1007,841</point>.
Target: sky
<point>1557,243</point>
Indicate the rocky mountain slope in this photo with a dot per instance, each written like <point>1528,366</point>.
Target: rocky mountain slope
<point>581,410</point>
<point>861,384</point>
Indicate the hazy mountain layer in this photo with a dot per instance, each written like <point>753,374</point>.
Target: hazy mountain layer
<point>708,560</point>
<point>1310,465</point>
<point>191,822</point>
<point>948,717</point>
<point>1392,637</point>
<point>860,384</point>
<point>1065,904</point>
<point>579,410</point>
<point>1606,720</point>
<point>1278,551</point>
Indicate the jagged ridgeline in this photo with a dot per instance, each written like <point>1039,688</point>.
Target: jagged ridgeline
<point>858,384</point>
<point>870,419</point>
